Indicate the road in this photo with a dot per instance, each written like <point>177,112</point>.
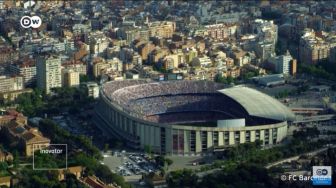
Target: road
<point>312,153</point>
<point>202,174</point>
<point>315,118</point>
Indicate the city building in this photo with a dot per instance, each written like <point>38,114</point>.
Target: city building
<point>97,42</point>
<point>76,66</point>
<point>265,30</point>
<point>78,29</point>
<point>128,33</point>
<point>332,54</point>
<point>155,55</point>
<point>267,37</point>
<point>105,66</point>
<point>8,54</point>
<point>70,78</point>
<point>221,31</point>
<point>11,83</point>
<point>77,171</point>
<point>144,49</point>
<point>5,181</point>
<point>5,156</point>
<point>11,115</point>
<point>129,58</point>
<point>132,75</point>
<point>10,96</point>
<point>21,136</point>
<point>95,182</point>
<point>265,50</point>
<point>270,80</point>
<point>27,69</point>
<point>315,46</point>
<point>293,67</point>
<point>92,89</point>
<point>283,64</point>
<point>204,61</point>
<point>172,61</point>
<point>164,29</point>
<point>48,72</point>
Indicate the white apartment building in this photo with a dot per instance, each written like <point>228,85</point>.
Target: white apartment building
<point>70,78</point>
<point>282,63</point>
<point>49,73</point>
<point>26,69</point>
<point>8,83</point>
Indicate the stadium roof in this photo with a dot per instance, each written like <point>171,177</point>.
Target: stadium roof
<point>259,104</point>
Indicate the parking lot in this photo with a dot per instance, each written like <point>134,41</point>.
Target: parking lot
<point>190,162</point>
<point>129,164</point>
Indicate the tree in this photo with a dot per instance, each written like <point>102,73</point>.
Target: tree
<point>30,103</point>
<point>182,178</point>
<point>48,161</point>
<point>3,166</point>
<point>323,70</point>
<point>84,78</point>
<point>169,162</point>
<point>160,160</point>
<point>106,147</point>
<point>243,175</point>
<point>16,159</point>
<point>105,174</point>
<point>38,179</point>
<point>220,79</point>
<point>85,160</point>
<point>230,79</point>
<point>162,172</point>
<point>148,149</point>
<point>72,182</point>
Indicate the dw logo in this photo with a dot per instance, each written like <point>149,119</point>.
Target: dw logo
<point>322,175</point>
<point>34,22</point>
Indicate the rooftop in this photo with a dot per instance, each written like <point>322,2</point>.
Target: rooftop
<point>259,104</point>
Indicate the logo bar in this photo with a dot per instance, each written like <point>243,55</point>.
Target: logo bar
<point>322,175</point>
<point>34,22</point>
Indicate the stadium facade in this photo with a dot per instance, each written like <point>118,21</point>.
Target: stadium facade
<point>189,117</point>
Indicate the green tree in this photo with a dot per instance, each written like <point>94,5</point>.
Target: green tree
<point>162,172</point>
<point>148,149</point>
<point>106,147</point>
<point>229,80</point>
<point>71,182</point>
<point>244,175</point>
<point>160,160</point>
<point>220,79</point>
<point>30,103</point>
<point>249,75</point>
<point>169,162</point>
<point>84,78</point>
<point>182,178</point>
<point>16,160</point>
<point>107,176</point>
<point>3,166</point>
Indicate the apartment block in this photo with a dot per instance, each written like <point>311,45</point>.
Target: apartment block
<point>49,72</point>
<point>27,69</point>
<point>8,83</point>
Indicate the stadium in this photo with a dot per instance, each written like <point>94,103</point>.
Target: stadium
<point>189,117</point>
